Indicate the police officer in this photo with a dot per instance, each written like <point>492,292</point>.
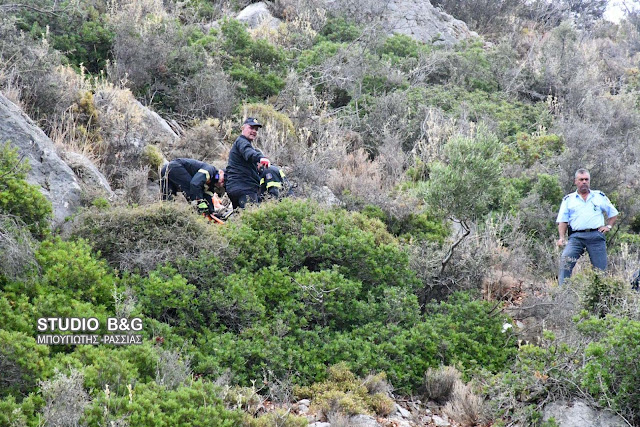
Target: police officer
<point>195,179</point>
<point>581,214</point>
<point>273,181</point>
<point>243,179</point>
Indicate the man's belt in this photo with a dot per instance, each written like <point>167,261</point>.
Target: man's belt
<point>571,231</point>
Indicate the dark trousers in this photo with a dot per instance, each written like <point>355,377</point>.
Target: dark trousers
<point>239,200</point>
<point>174,178</point>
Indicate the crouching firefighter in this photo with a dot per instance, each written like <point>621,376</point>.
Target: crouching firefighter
<point>273,183</point>
<point>195,179</point>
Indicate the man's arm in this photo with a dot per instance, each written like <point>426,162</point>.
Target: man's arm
<point>562,231</point>
<point>249,153</point>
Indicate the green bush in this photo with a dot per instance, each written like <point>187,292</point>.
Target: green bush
<point>18,197</point>
<point>299,234</point>
<point>460,332</point>
<point>511,116</point>
<point>82,33</point>
<point>259,66</point>
<point>166,296</point>
<point>71,268</point>
<point>469,160</point>
<point>413,227</point>
<point>143,237</point>
<point>154,406</point>
<point>398,47</point>
<point>599,293</point>
<point>22,362</point>
<point>529,149</point>
<point>339,30</point>
<point>611,371</point>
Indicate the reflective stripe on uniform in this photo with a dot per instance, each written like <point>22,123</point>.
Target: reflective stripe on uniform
<point>206,173</point>
<point>274,184</point>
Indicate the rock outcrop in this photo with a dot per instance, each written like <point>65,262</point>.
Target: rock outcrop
<point>127,128</point>
<point>425,23</point>
<point>579,414</point>
<point>55,178</point>
<point>257,13</point>
<point>88,174</point>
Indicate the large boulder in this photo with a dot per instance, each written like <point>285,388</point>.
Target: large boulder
<point>415,18</point>
<point>127,127</point>
<point>55,178</point>
<point>425,23</point>
<point>579,414</point>
<point>257,13</point>
<point>88,174</point>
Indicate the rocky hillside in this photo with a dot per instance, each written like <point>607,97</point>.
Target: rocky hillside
<point>410,281</point>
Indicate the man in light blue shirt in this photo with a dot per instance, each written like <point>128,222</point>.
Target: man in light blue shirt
<point>582,214</point>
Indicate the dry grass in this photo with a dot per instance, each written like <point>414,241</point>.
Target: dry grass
<point>65,399</point>
<point>465,406</point>
<point>17,249</point>
<point>439,383</point>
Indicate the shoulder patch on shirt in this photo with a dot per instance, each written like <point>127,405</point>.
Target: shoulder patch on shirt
<point>269,176</point>
<point>602,194</point>
<point>566,197</point>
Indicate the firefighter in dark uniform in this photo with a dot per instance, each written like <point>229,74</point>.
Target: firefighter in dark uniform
<point>195,179</point>
<point>243,179</point>
<point>273,182</point>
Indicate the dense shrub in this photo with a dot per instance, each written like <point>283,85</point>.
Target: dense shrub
<point>82,32</point>
<point>611,370</point>
<point>509,116</point>
<point>299,234</point>
<point>153,405</point>
<point>457,332</point>
<point>22,362</point>
<point>71,268</point>
<point>144,237</point>
<point>19,198</point>
<point>256,64</point>
<point>469,160</point>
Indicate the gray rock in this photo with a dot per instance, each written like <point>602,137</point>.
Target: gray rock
<point>440,422</point>
<point>403,412</point>
<point>579,414</point>
<point>324,196</point>
<point>420,20</point>
<point>319,424</point>
<point>55,178</point>
<point>400,422</point>
<point>87,173</point>
<point>363,421</point>
<point>257,13</point>
<point>130,128</point>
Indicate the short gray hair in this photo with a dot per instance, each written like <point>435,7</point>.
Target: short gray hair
<point>581,171</point>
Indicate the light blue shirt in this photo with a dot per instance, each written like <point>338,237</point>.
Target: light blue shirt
<point>585,214</point>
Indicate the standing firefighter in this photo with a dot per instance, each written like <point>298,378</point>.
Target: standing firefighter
<point>243,179</point>
<point>195,179</point>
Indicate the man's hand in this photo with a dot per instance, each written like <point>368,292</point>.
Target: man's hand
<point>561,242</point>
<point>605,228</point>
<point>265,162</point>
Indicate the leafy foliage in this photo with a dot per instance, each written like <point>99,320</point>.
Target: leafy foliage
<point>453,187</point>
<point>18,197</point>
